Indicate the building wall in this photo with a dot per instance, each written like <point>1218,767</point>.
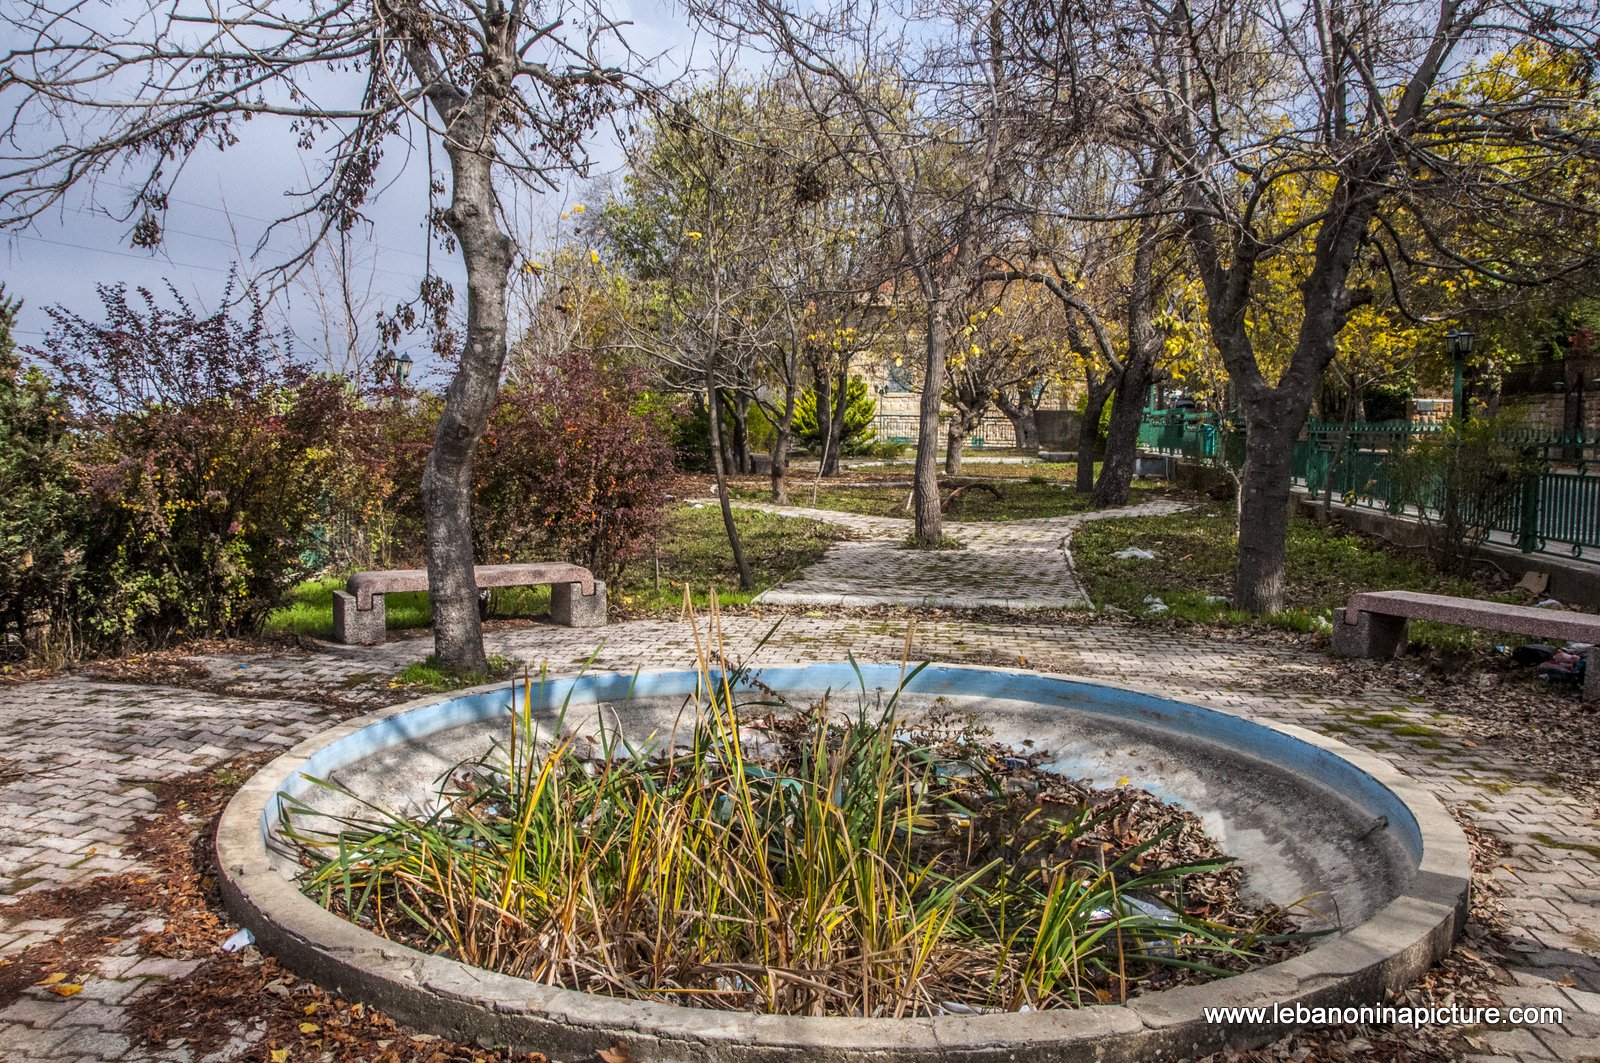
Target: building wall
<point>1568,401</point>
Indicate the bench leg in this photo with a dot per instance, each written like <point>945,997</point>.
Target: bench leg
<point>1372,635</point>
<point>357,627</point>
<point>1591,675</point>
<point>570,607</point>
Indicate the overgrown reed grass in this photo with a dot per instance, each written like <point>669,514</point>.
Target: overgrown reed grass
<point>840,864</point>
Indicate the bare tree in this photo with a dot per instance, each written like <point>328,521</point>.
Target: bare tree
<point>923,103</point>
<point>1306,131</point>
<point>703,307</point>
<point>339,284</point>
<point>508,90</point>
<point>1008,344</point>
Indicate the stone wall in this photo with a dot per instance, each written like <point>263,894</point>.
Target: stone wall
<point>1566,398</point>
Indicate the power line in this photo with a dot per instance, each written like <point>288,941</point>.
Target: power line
<point>235,246</point>
<point>269,221</point>
<point>119,254</point>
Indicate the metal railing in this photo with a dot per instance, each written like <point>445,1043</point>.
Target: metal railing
<point>902,428</point>
<point>1554,508</point>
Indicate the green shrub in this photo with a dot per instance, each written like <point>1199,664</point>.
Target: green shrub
<point>41,513</point>
<point>1464,480</point>
<point>688,431</point>
<point>860,419</point>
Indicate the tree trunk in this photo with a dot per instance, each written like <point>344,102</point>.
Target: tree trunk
<point>1022,415</point>
<point>740,407</point>
<point>824,406</point>
<point>925,489</point>
<point>1089,433</point>
<point>955,436</point>
<point>841,405</point>
<point>447,479</point>
<point>1025,425</point>
<point>734,542</point>
<point>1122,435</point>
<point>1138,370</point>
<point>720,432</point>
<point>780,464</point>
<point>1273,425</point>
<point>1336,459</point>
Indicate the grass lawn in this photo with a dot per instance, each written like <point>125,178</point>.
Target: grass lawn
<point>1193,572</point>
<point>694,550</point>
<point>1022,497</point>
<point>1057,471</point>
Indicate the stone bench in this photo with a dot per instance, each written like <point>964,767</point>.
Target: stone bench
<point>1374,625</point>
<point>577,599</point>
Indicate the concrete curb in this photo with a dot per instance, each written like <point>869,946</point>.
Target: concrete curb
<point>916,601</point>
<point>1401,941</point>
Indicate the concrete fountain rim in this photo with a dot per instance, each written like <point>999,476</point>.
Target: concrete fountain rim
<point>444,996</point>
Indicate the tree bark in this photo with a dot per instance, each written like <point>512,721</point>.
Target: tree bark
<point>734,542</point>
<point>1273,423</point>
<point>962,425</point>
<point>740,407</point>
<point>1336,459</point>
<point>823,393</point>
<point>925,488</point>
<point>1122,435</point>
<point>836,423</point>
<point>953,436</point>
<point>780,465</point>
<point>721,433</point>
<point>1138,370</point>
<point>1089,431</point>
<point>1023,417</point>
<point>447,479</point>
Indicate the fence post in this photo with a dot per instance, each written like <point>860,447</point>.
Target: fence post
<point>1347,473</point>
<point>1528,517</point>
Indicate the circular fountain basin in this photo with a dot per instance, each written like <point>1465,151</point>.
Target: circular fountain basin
<point>1374,857</point>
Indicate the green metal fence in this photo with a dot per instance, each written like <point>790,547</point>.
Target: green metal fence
<point>1555,510</point>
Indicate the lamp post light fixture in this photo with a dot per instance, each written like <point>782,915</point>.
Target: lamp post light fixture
<point>395,369</point>
<point>1458,341</point>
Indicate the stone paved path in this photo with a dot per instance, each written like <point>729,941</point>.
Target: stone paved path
<point>1015,564</point>
<point>78,758</point>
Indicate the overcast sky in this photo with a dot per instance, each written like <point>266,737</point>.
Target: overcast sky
<point>225,200</point>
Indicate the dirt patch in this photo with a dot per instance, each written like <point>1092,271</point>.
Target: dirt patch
<point>248,997</point>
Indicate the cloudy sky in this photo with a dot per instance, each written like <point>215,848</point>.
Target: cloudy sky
<point>225,201</point>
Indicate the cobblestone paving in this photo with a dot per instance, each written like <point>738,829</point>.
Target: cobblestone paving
<point>1017,564</point>
<point>78,758</point>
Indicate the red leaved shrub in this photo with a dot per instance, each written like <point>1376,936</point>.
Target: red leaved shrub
<point>573,465</point>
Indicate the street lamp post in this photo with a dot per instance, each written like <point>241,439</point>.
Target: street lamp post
<point>396,369</point>
<point>1458,341</point>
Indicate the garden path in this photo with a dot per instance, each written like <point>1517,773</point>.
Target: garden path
<point>1011,564</point>
<point>82,759</point>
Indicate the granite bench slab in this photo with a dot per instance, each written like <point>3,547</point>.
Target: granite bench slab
<point>1374,623</point>
<point>577,599</point>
